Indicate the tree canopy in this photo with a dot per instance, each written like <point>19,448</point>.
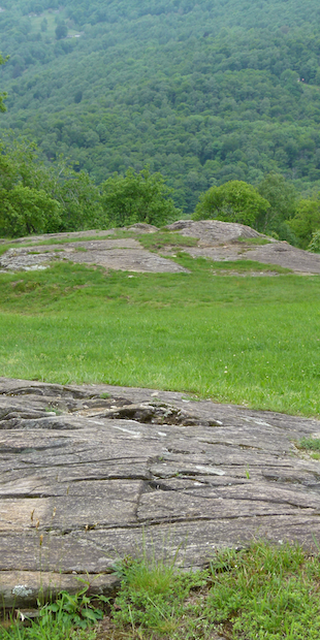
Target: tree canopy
<point>36,198</point>
<point>26,205</point>
<point>43,198</point>
<point>306,221</point>
<point>3,95</point>
<point>234,201</point>
<point>25,211</point>
<point>138,197</point>
<point>282,197</point>
<point>204,93</point>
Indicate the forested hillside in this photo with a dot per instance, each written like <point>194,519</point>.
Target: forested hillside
<point>204,92</point>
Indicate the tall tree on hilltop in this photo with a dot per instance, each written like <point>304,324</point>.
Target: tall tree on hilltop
<point>233,201</point>
<point>282,197</point>
<point>138,197</point>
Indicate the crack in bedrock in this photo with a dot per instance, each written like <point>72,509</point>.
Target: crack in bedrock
<point>154,522</point>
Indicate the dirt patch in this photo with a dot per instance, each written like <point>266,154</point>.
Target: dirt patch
<point>219,241</point>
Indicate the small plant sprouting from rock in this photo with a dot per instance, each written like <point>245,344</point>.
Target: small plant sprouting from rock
<point>310,444</point>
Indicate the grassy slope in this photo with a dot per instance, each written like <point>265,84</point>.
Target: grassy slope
<point>252,340</point>
<point>248,340</point>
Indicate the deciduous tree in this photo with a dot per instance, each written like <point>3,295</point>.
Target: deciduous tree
<point>40,198</point>
<point>138,197</point>
<point>234,201</point>
<point>61,30</point>
<point>282,197</point>
<point>25,211</point>
<point>306,221</point>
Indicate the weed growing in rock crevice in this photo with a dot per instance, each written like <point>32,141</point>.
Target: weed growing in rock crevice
<point>310,445</point>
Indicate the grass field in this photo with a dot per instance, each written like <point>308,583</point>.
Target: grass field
<point>249,340</point>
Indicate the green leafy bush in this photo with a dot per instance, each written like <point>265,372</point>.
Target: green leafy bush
<point>24,211</point>
<point>138,197</point>
<point>314,245</point>
<point>234,201</point>
<point>306,221</point>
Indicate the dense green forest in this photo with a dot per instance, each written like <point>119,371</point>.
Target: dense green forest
<point>202,92</point>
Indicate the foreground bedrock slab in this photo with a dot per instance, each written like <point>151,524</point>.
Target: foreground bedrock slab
<point>90,474</point>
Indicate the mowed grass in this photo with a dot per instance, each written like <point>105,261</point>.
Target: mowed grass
<point>253,341</point>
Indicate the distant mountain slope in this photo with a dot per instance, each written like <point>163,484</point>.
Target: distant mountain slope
<point>203,92</point>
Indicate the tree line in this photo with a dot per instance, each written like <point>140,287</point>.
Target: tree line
<point>38,197</point>
<point>41,198</point>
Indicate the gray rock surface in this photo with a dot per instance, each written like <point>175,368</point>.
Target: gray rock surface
<point>226,241</point>
<point>92,473</point>
<point>219,241</point>
<point>122,254</point>
<point>214,232</point>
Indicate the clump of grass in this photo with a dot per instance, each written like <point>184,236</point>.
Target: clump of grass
<point>160,239</point>
<point>263,591</point>
<point>112,235</point>
<point>12,244</point>
<point>254,241</point>
<point>151,597</point>
<point>310,444</point>
<point>4,247</point>
<point>246,266</point>
<point>266,592</point>
<point>224,266</point>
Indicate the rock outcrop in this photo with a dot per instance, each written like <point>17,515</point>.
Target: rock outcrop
<point>219,241</point>
<point>90,474</point>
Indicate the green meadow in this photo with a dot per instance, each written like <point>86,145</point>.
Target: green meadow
<point>220,331</point>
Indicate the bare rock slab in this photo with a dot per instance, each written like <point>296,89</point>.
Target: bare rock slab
<point>23,588</point>
<point>92,473</point>
<point>216,240</point>
<point>123,255</point>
